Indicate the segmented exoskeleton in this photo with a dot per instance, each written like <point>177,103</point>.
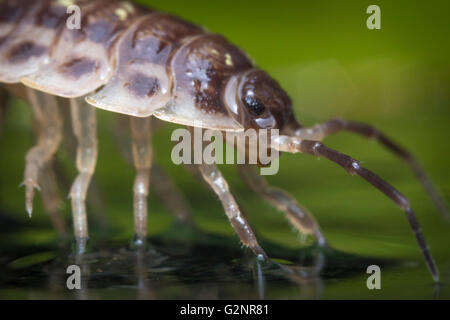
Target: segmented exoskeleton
<point>141,63</point>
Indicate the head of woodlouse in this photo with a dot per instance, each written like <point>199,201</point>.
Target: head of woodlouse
<point>256,100</point>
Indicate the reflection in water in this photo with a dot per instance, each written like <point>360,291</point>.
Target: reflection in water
<point>258,277</point>
<point>206,267</point>
<point>149,271</point>
<point>306,277</point>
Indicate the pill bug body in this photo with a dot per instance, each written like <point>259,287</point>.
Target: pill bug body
<point>143,63</point>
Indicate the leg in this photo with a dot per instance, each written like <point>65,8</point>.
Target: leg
<point>69,141</point>
<point>84,124</point>
<point>214,178</point>
<point>298,216</point>
<point>48,125</point>
<point>142,158</point>
<point>160,183</point>
<point>320,131</point>
<point>353,167</point>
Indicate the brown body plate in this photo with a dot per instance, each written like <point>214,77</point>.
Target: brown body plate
<point>201,69</point>
<point>81,60</point>
<point>142,82</point>
<point>11,14</point>
<point>26,36</point>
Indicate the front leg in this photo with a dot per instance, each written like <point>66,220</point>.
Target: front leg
<point>216,181</point>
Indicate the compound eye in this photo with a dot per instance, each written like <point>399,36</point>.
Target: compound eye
<point>255,107</point>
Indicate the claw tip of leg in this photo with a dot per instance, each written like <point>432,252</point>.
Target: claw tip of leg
<point>30,211</point>
<point>436,277</point>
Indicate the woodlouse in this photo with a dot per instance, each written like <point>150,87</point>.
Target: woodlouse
<point>141,63</point>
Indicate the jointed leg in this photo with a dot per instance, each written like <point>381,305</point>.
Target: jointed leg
<point>353,167</point>
<point>160,182</point>
<point>84,124</point>
<point>69,141</point>
<point>48,125</point>
<point>214,178</point>
<point>320,131</point>
<point>48,122</point>
<point>298,216</point>
<point>142,158</point>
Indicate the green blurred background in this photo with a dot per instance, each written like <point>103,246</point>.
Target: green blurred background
<point>322,53</point>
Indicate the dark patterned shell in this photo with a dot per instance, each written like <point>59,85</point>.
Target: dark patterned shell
<point>82,59</point>
<point>142,82</point>
<point>124,58</point>
<point>201,68</point>
<point>27,36</point>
